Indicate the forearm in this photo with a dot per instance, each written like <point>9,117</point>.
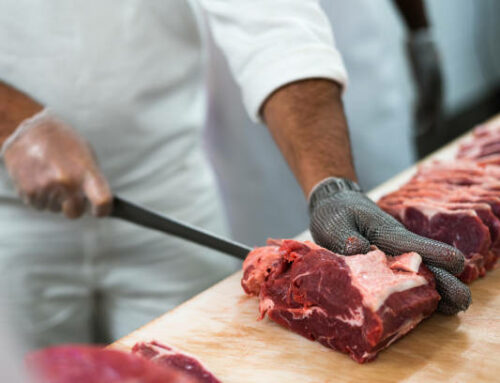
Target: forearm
<point>307,121</point>
<point>413,13</point>
<point>15,107</point>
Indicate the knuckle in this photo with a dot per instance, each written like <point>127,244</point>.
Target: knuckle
<point>102,202</point>
<point>61,179</point>
<point>30,192</point>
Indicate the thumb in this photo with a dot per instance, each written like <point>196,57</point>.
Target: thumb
<point>98,193</point>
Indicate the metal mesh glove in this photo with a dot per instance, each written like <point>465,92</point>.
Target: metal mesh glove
<point>54,168</point>
<point>345,221</point>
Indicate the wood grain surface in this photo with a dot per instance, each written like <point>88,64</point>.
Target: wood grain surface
<point>220,327</point>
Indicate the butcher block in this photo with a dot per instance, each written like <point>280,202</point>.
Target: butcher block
<point>220,327</point>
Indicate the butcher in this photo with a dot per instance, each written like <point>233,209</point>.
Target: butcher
<point>104,97</point>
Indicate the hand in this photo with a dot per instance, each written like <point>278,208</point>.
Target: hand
<point>426,69</point>
<point>345,221</point>
<point>54,168</point>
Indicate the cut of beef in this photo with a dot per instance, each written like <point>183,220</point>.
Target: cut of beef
<point>358,305</point>
<point>485,203</point>
<point>92,364</point>
<point>484,142</point>
<point>458,224</point>
<point>171,358</point>
<point>457,202</point>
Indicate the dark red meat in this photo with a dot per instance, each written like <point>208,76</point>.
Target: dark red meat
<point>485,142</point>
<point>485,204</point>
<point>171,358</point>
<point>358,305</point>
<point>92,364</point>
<point>466,226</point>
<point>457,201</point>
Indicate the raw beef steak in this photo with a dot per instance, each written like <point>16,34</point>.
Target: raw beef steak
<point>92,364</point>
<point>485,142</point>
<point>463,225</point>
<point>171,358</point>
<point>358,305</point>
<point>456,202</point>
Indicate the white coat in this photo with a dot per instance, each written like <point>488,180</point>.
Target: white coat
<point>378,106</point>
<point>129,76</point>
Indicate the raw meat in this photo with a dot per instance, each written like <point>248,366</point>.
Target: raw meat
<point>451,197</point>
<point>457,202</point>
<point>92,364</point>
<point>171,358</point>
<point>458,224</point>
<point>485,142</point>
<point>358,305</point>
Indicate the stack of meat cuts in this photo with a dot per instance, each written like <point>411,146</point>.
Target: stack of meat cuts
<point>457,202</point>
<point>358,304</point>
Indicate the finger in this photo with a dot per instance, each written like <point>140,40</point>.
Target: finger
<point>447,309</point>
<point>40,200</point>
<point>455,295</point>
<point>30,198</point>
<point>73,206</point>
<point>98,193</point>
<point>339,237</point>
<point>55,200</point>
<point>24,197</point>
<point>395,240</point>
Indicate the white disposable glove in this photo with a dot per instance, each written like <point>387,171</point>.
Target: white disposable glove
<point>54,168</point>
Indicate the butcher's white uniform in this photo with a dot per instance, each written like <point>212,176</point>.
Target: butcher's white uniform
<point>11,360</point>
<point>128,75</point>
<point>377,101</point>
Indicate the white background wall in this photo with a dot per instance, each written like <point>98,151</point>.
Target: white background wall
<point>468,34</point>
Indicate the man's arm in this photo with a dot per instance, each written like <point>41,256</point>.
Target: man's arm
<point>277,51</point>
<point>307,121</point>
<point>51,165</point>
<point>15,107</point>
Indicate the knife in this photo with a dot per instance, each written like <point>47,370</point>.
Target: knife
<point>142,216</point>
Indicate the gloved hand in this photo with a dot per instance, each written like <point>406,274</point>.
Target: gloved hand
<point>345,221</point>
<point>54,168</point>
<point>426,70</point>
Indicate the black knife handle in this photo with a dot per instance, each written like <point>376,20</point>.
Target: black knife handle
<point>139,215</point>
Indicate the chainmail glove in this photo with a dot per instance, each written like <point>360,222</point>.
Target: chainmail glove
<point>345,221</point>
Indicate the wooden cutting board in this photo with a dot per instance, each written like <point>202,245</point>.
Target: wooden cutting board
<point>220,327</point>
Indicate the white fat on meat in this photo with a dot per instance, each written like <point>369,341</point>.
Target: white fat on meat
<point>407,262</point>
<point>356,318</point>
<point>372,275</point>
<point>429,209</point>
<point>302,313</point>
<point>265,305</point>
<point>409,325</point>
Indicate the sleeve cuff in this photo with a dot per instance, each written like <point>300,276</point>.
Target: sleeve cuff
<point>259,82</point>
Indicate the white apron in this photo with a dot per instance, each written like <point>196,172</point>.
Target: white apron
<point>129,79</point>
<point>128,74</point>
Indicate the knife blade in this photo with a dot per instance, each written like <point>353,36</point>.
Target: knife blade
<point>142,216</point>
